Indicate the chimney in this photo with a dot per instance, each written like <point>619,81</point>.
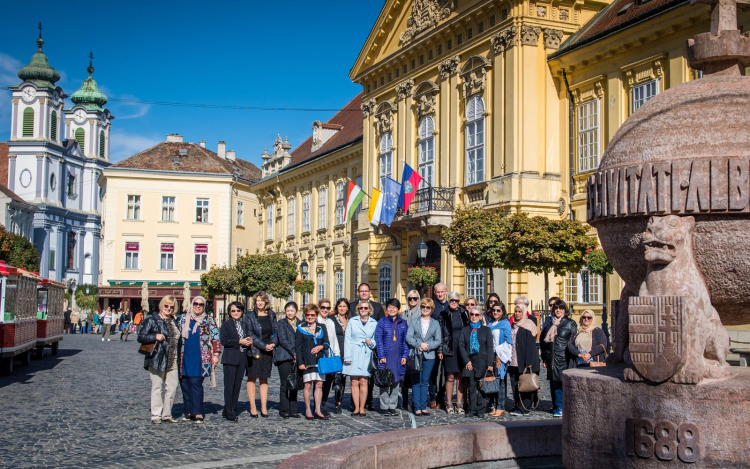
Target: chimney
<point>202,143</point>
<point>230,155</point>
<point>221,151</point>
<point>174,138</point>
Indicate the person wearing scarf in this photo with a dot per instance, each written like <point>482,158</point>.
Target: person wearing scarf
<point>200,347</point>
<point>502,340</point>
<point>477,351</point>
<point>524,357</point>
<point>555,354</point>
<point>589,344</point>
<point>311,342</point>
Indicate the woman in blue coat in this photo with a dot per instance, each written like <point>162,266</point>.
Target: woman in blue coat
<point>359,342</point>
<point>390,337</point>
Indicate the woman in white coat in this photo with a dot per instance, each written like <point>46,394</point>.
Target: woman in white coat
<point>359,342</point>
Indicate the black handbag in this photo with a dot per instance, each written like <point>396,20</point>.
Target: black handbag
<point>414,362</point>
<point>490,387</point>
<point>294,381</point>
<point>339,382</point>
<point>373,366</point>
<point>384,378</point>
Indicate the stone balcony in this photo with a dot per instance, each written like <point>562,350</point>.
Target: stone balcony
<point>431,206</point>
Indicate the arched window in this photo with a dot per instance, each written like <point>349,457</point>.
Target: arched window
<point>81,139</point>
<point>28,122</point>
<point>101,144</point>
<point>384,284</point>
<point>386,157</point>
<point>53,126</point>
<point>475,141</point>
<point>427,151</point>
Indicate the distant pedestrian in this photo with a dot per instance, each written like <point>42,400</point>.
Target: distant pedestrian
<point>85,321</point>
<point>359,343</point>
<point>390,337</point>
<point>160,329</point>
<point>66,320</point>
<point>108,320</point>
<point>97,322</point>
<point>589,344</point>
<point>260,325</point>
<point>423,337</point>
<point>555,354</point>
<point>310,342</point>
<point>75,318</point>
<point>125,324</point>
<point>234,340</point>
<point>200,348</point>
<point>138,320</point>
<point>478,354</point>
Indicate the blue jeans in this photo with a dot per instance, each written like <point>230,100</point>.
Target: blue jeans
<point>555,388</point>
<point>419,390</point>
<point>192,394</point>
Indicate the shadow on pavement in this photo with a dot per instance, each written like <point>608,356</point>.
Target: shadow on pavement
<point>23,374</point>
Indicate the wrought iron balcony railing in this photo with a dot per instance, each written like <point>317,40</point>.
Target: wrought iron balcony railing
<point>432,199</point>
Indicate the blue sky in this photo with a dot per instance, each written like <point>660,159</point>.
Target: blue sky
<point>287,54</point>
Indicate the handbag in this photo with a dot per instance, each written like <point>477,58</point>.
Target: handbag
<point>294,381</point>
<point>384,378</point>
<point>329,364</point>
<point>597,363</point>
<point>414,362</point>
<point>373,366</point>
<point>339,382</point>
<point>528,382</point>
<point>491,385</point>
<point>148,350</point>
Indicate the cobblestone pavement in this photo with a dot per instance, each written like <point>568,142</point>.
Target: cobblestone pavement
<point>89,407</point>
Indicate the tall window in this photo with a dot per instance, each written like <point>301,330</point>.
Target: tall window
<point>71,185</point>
<point>340,203</point>
<point>588,136</point>
<point>306,213</point>
<point>240,213</point>
<point>386,158</point>
<point>134,207</point>
<point>201,210</point>
<point>583,287</point>
<point>28,123</point>
<point>167,208</point>
<point>290,216</point>
<point>475,141</point>
<point>167,256</point>
<point>427,151</point>
<point>384,284</point>
<point>269,222</point>
<point>80,137</point>
<point>322,208</point>
<point>201,257</point>
<point>338,284</point>
<point>321,285</point>
<point>131,255</point>
<point>53,126</point>
<point>643,92</point>
<point>71,250</point>
<point>238,253</point>
<point>102,144</point>
<point>475,283</point>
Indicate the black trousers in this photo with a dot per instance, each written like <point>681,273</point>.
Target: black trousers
<point>328,384</point>
<point>287,397</point>
<point>405,386</point>
<point>437,389</point>
<point>525,398</point>
<point>477,402</point>
<point>233,377</point>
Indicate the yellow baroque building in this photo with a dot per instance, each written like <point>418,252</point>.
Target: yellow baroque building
<point>168,214</point>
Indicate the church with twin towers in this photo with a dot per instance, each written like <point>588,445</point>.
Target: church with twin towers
<point>56,155</point>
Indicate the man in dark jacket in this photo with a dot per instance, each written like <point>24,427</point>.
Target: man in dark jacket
<point>437,390</point>
<point>67,321</point>
<point>363,292</point>
<point>479,354</point>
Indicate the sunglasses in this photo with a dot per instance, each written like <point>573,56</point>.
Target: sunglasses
<point>475,315</point>
<point>453,300</point>
<point>587,318</point>
<point>413,299</point>
<point>168,306</point>
<point>363,308</point>
<point>235,311</point>
<point>199,304</point>
<point>324,308</point>
<point>311,315</point>
<point>424,307</point>
<point>497,310</point>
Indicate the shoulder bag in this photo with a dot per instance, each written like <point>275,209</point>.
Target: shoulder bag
<point>329,363</point>
<point>597,363</point>
<point>414,362</point>
<point>528,381</point>
<point>148,350</point>
<point>294,381</point>
<point>384,378</point>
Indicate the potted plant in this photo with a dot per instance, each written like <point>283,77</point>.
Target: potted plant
<point>303,286</point>
<point>421,276</point>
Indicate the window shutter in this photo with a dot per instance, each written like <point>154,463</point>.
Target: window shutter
<point>81,139</point>
<point>53,126</point>
<point>28,122</point>
<point>101,144</point>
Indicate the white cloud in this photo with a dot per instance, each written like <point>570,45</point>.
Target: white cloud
<point>9,66</point>
<point>124,145</point>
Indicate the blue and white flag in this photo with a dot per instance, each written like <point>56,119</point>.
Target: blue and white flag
<point>391,192</point>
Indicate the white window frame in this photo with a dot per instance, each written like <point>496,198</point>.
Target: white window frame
<point>290,216</point>
<point>338,285</point>
<point>476,282</point>
<point>202,206</point>
<point>166,259</point>
<point>386,158</point>
<point>384,283</point>
<point>321,285</point>
<point>134,207</point>
<point>588,135</point>
<point>306,212</point>
<point>168,207</point>
<point>475,141</point>
<point>583,287</point>
<point>269,222</point>
<point>132,257</point>
<point>322,208</point>
<point>200,261</point>
<point>340,203</point>
<point>427,152</point>
<point>642,92</point>
<point>240,213</point>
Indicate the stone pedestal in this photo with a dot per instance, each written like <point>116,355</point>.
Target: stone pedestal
<point>610,423</point>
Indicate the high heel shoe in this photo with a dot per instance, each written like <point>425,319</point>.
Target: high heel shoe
<point>255,416</point>
<point>309,418</point>
<point>320,417</point>
<point>265,416</point>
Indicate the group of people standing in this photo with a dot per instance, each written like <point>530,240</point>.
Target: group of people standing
<point>433,348</point>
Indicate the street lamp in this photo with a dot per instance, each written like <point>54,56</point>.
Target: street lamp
<point>422,252</point>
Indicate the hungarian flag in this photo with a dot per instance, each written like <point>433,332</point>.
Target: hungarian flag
<point>354,196</point>
<point>409,183</point>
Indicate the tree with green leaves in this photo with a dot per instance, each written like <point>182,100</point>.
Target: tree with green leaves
<point>221,281</point>
<point>87,296</point>
<point>472,237</point>
<point>18,251</point>
<point>272,273</point>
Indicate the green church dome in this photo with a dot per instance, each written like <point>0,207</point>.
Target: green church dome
<point>39,71</point>
<point>89,95</point>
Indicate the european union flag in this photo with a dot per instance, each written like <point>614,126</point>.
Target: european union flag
<point>391,192</point>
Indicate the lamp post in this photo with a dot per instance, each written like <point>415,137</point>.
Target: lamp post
<point>304,269</point>
<point>422,252</point>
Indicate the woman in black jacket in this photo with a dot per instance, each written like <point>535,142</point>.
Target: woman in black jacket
<point>524,359</point>
<point>311,341</point>
<point>589,344</point>
<point>235,341</point>
<point>260,325</point>
<point>160,329</point>
<point>554,346</point>
<point>284,357</point>
<point>478,352</point>
<point>452,322</point>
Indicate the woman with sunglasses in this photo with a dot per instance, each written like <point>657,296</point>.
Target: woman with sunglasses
<point>332,328</point>
<point>589,344</point>
<point>311,342</point>
<point>492,299</point>
<point>235,341</point>
<point>284,358</point>
<point>341,315</point>
<point>359,342</point>
<point>424,337</point>
<point>412,306</point>
<point>502,341</point>
<point>261,327</point>
<point>160,329</point>
<point>452,323</point>
<point>524,359</point>
<point>478,352</point>
<point>200,348</point>
<point>555,354</point>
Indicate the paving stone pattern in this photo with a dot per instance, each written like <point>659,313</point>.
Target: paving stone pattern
<point>89,407</point>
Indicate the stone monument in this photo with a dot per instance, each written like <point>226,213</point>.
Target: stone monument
<point>671,204</point>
